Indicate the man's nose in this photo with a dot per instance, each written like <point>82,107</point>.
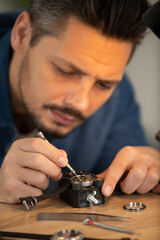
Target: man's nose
<point>78,96</point>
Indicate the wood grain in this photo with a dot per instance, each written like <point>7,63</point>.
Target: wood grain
<point>145,224</point>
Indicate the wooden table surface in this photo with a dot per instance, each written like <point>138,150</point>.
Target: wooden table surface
<point>145,224</point>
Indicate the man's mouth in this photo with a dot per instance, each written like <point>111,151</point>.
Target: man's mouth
<point>62,118</point>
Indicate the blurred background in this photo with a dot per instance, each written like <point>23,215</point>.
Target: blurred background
<point>144,73</point>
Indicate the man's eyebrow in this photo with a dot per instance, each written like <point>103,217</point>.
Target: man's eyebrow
<point>78,70</point>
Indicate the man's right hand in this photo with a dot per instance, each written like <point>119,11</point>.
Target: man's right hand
<point>26,168</point>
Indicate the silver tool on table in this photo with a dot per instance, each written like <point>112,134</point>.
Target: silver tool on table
<point>40,134</point>
<point>78,217</point>
<point>87,218</point>
<point>112,228</point>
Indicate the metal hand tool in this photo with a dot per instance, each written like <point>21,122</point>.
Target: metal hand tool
<point>79,217</point>
<point>40,134</point>
<point>112,228</point>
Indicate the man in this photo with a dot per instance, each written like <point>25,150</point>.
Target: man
<point>62,73</point>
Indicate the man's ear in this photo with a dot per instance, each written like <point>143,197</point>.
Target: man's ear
<point>21,32</point>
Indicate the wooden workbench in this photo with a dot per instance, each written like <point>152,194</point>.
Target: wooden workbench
<point>145,224</point>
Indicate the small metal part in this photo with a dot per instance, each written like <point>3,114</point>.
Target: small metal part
<point>40,135</point>
<point>78,217</point>
<point>25,205</point>
<point>86,180</point>
<point>29,201</point>
<point>73,171</point>
<point>134,206</point>
<point>92,199</point>
<point>94,193</point>
<point>68,234</point>
<point>35,200</point>
<point>117,229</point>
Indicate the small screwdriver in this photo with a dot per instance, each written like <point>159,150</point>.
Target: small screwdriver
<point>40,134</point>
<point>109,227</point>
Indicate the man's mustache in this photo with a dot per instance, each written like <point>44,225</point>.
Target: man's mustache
<point>66,110</point>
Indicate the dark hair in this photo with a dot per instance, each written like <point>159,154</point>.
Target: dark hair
<point>119,19</point>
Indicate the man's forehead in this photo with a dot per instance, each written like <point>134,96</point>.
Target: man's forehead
<point>86,38</point>
<point>87,51</point>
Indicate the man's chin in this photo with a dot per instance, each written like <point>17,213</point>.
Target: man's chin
<point>52,129</point>
<point>56,134</point>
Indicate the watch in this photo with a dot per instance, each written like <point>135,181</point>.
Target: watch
<point>68,234</point>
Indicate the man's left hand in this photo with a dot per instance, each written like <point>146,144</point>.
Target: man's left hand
<point>142,165</point>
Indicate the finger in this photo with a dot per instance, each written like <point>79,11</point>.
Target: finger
<point>34,178</point>
<point>156,189</point>
<point>150,182</point>
<point>134,179</point>
<point>38,145</point>
<point>102,175</point>
<point>113,174</point>
<point>40,162</point>
<point>14,190</point>
<point>29,191</point>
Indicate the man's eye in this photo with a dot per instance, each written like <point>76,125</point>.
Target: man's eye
<point>104,86</point>
<point>64,72</point>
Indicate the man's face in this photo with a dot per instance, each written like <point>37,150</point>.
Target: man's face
<point>64,80</point>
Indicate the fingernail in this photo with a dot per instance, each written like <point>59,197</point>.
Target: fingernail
<point>62,161</point>
<point>108,190</point>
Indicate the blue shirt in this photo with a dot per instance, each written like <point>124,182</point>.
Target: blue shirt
<point>94,144</point>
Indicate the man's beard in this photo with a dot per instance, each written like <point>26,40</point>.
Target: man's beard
<point>35,118</point>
